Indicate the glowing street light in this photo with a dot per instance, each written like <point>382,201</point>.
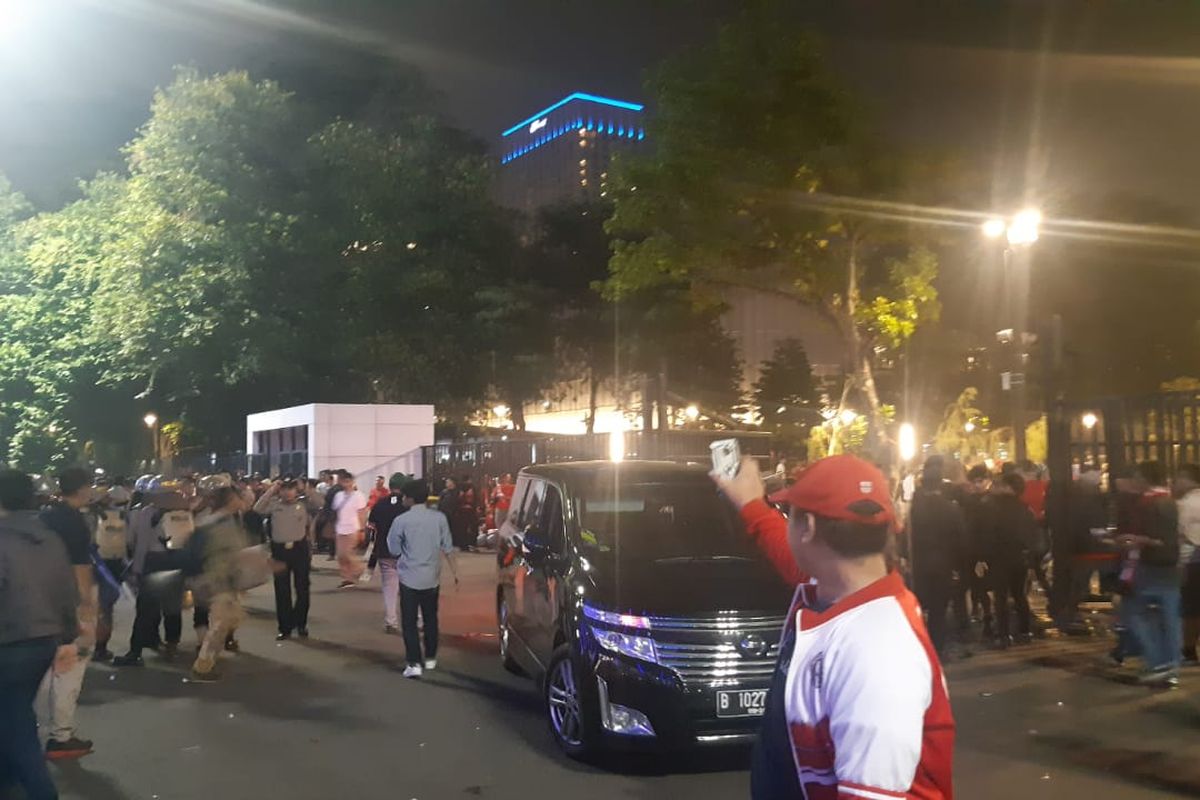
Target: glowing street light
<point>994,228</point>
<point>848,416</point>
<point>1089,420</point>
<point>692,412</point>
<point>969,427</point>
<point>150,419</point>
<point>500,410</point>
<point>1022,229</point>
<point>908,442</point>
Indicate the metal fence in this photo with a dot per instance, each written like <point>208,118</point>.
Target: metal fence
<point>1122,431</point>
<point>495,457</point>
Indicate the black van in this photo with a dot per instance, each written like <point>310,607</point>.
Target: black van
<point>631,591</point>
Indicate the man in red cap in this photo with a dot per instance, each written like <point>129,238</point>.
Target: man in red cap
<point>858,706</point>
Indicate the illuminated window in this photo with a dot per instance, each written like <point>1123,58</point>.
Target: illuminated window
<point>641,134</point>
<point>583,162</point>
<point>582,143</point>
<point>583,181</point>
<point>610,128</point>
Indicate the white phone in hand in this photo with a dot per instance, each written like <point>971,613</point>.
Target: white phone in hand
<point>726,457</point>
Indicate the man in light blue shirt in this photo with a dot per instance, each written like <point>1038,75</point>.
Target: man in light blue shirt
<point>420,537</point>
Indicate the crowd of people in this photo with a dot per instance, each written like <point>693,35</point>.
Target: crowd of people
<point>69,553</point>
<point>978,546</point>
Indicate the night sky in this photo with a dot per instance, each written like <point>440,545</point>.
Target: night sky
<point>1112,87</point>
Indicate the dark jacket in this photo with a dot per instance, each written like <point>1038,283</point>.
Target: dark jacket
<point>1014,534</point>
<point>1088,511</point>
<point>38,594</point>
<point>380,520</point>
<point>936,527</point>
<point>1160,520</point>
<point>979,516</point>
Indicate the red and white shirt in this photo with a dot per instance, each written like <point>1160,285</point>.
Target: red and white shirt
<point>867,711</point>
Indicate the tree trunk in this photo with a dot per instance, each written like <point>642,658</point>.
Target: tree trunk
<point>518,414</point>
<point>861,361</point>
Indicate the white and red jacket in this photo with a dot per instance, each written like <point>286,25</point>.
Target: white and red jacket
<point>865,710</point>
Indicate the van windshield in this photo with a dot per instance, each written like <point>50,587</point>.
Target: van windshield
<point>656,521</point>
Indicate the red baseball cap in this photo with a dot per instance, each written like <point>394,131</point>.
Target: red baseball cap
<point>833,486</point>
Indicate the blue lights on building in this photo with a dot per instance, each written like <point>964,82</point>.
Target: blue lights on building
<point>616,119</point>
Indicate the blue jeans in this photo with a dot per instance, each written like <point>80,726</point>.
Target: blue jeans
<point>22,761</point>
<point>1152,614</point>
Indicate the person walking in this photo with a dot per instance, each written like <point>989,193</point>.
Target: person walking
<point>1013,537</point>
<point>350,508</point>
<point>502,499</point>
<point>289,516</point>
<point>39,627</point>
<point>58,696</point>
<point>1151,610</point>
<point>979,525</point>
<point>212,555</point>
<point>936,530</point>
<point>112,549</point>
<point>1187,490</point>
<point>420,538</point>
<point>379,523</point>
<point>1087,532</point>
<point>858,706</point>
<point>378,493</point>
<point>158,530</point>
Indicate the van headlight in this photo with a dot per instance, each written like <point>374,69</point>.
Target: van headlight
<point>640,647</point>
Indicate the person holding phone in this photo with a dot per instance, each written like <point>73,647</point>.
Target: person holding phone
<point>858,706</point>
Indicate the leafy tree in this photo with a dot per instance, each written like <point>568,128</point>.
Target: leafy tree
<point>786,394</point>
<point>251,257</point>
<point>726,203</point>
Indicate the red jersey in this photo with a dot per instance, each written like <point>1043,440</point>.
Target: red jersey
<point>503,496</point>
<point>865,701</point>
<point>1034,498</point>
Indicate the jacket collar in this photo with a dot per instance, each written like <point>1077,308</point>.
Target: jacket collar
<point>890,585</point>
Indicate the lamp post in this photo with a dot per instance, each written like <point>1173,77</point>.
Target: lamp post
<point>1019,233</point>
<point>151,421</point>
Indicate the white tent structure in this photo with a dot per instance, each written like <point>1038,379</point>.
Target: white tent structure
<point>366,439</point>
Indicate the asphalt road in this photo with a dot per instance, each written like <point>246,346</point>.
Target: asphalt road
<point>332,718</point>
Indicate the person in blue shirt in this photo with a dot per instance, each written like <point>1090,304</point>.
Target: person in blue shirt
<point>419,539</point>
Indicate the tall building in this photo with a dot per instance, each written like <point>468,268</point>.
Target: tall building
<point>562,153</point>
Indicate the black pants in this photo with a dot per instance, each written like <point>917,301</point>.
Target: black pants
<point>935,593</point>
<point>297,563</point>
<point>148,613</point>
<point>425,601</point>
<point>1008,582</point>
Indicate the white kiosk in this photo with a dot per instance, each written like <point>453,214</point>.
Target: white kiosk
<point>364,438</point>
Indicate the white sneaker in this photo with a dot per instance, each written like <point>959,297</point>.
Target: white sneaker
<point>412,671</point>
<point>430,663</point>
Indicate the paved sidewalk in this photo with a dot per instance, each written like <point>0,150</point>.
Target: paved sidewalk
<point>332,718</point>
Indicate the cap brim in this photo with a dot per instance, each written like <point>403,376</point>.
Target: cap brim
<point>779,497</point>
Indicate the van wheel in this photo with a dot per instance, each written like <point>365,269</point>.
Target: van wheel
<point>571,706</point>
<point>504,635</point>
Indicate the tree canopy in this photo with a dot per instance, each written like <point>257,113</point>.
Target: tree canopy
<point>724,203</point>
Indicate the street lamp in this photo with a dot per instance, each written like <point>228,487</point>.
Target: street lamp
<point>969,427</point>
<point>908,442</point>
<point>848,416</point>
<point>151,420</point>
<point>692,412</point>
<point>1089,420</point>
<point>1020,232</point>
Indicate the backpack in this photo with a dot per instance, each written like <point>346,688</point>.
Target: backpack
<point>174,528</point>
<point>111,534</point>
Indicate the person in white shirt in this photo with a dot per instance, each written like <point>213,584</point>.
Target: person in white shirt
<point>351,509</point>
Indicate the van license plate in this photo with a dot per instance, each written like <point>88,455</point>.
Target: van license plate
<point>742,703</point>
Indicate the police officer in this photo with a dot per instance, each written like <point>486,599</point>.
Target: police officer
<point>289,515</point>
